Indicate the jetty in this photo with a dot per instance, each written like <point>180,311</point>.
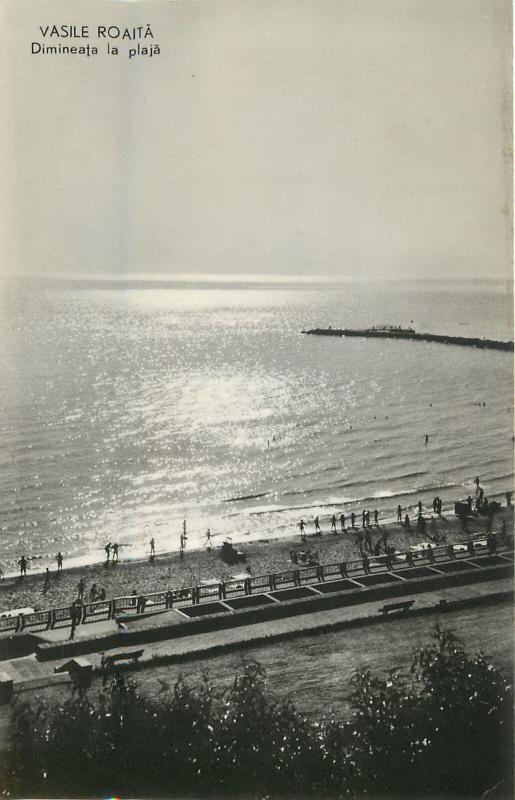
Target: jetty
<point>394,332</point>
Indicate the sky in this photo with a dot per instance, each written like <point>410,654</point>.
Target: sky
<point>340,138</point>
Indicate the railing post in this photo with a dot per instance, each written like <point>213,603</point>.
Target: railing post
<point>296,577</point>
<point>320,573</point>
<point>48,619</point>
<point>20,623</point>
<point>110,613</point>
<point>271,581</point>
<point>195,595</point>
<point>221,591</point>
<point>53,621</point>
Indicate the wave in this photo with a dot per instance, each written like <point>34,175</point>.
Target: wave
<point>246,497</point>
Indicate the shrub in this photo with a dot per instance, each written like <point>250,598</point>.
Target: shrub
<point>444,729</point>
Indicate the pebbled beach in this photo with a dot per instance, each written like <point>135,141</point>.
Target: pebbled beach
<point>169,571</point>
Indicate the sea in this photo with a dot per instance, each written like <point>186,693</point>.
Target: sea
<point>131,406</point>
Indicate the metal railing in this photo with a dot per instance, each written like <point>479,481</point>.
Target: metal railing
<point>194,595</point>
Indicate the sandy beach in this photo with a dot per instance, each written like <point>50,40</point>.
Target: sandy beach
<point>168,571</point>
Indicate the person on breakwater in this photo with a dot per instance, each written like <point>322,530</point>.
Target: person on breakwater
<point>342,522</point>
<point>318,532</point>
<point>23,566</point>
<point>59,559</point>
<point>333,523</point>
<point>399,513</point>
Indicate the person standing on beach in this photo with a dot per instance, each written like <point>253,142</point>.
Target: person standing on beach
<point>46,585</point>
<point>23,566</point>
<point>399,513</point>
<point>182,546</point>
<point>93,593</point>
<point>302,525</point>
<point>318,532</point>
<point>427,439</point>
<point>59,559</point>
<point>353,520</point>
<point>364,518</point>
<point>333,523</point>
<point>208,540</point>
<point>476,481</point>
<point>80,589</point>
<point>342,522</point>
<point>152,547</point>
<point>407,523</point>
<point>107,550</point>
<point>115,552</point>
<point>376,518</point>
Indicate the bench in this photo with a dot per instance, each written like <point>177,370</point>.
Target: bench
<point>114,658</point>
<point>404,606</point>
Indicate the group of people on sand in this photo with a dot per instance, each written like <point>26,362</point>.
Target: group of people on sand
<point>111,551</point>
<point>24,562</point>
<point>365,515</point>
<point>95,594</point>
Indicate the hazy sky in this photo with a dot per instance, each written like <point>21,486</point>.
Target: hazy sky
<point>340,137</point>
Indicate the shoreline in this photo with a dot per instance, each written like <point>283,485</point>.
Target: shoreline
<point>263,556</point>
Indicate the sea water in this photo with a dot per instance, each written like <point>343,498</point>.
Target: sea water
<point>128,407</point>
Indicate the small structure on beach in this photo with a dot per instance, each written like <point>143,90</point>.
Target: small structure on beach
<point>229,554</point>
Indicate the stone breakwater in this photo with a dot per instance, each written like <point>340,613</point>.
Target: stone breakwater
<point>400,333</point>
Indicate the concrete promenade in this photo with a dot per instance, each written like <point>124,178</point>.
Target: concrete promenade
<point>152,633</point>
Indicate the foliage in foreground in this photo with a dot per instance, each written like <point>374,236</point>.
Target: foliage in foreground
<point>445,729</point>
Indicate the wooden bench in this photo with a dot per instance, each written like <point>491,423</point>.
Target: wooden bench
<point>114,658</point>
<point>404,606</point>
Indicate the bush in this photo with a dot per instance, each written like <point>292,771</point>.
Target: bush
<point>445,729</point>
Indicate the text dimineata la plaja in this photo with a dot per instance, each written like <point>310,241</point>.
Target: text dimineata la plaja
<point>111,40</point>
